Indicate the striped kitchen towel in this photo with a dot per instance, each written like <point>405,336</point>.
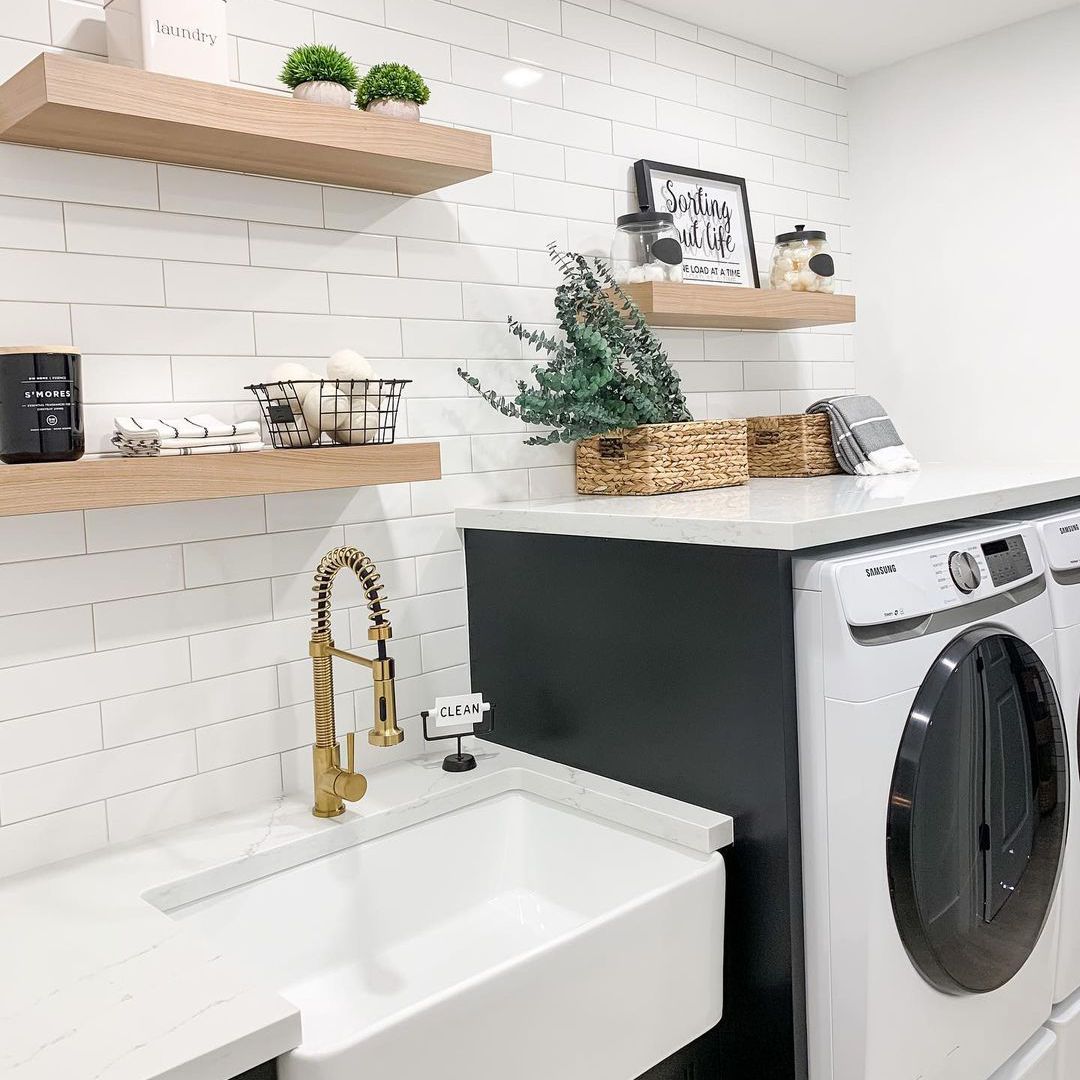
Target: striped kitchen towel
<point>864,437</point>
<point>200,426</point>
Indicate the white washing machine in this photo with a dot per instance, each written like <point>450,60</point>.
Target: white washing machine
<point>934,802</point>
<point>1035,1060</point>
<point>1058,529</point>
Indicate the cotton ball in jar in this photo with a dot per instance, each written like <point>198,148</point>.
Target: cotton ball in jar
<point>325,408</point>
<point>654,271</point>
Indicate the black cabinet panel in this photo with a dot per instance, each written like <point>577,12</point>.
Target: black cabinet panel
<point>671,667</point>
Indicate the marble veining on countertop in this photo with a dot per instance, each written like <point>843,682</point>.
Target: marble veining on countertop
<point>790,514</point>
<point>99,984</point>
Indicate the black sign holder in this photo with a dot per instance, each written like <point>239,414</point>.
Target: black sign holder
<point>460,762</point>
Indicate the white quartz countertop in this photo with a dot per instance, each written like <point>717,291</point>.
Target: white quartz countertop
<point>98,983</point>
<point>790,514</point>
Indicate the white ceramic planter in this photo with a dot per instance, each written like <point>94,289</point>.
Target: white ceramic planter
<point>394,108</point>
<point>324,93</point>
<point>173,37</point>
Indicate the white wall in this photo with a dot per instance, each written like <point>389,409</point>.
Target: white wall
<point>965,166</point>
<point>152,660</point>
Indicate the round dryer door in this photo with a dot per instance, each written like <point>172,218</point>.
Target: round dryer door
<point>977,813</point>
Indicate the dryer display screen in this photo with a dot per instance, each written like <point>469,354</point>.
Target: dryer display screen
<point>1007,560</point>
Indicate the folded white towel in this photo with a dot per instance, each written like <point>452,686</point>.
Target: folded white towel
<point>201,426</point>
<point>129,450</point>
<point>180,444</point>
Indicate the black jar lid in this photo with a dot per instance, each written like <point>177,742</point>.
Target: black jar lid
<point>646,217</point>
<point>801,233</point>
<point>38,350</point>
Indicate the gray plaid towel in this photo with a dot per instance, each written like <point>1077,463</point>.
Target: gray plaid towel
<point>864,437</point>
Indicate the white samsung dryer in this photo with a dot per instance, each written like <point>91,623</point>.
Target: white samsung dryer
<point>934,802</point>
<point>1058,529</point>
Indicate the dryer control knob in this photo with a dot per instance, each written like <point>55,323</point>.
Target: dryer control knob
<point>964,571</point>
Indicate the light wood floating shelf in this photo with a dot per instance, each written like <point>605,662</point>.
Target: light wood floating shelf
<point>71,104</point>
<point>725,307</point>
<point>94,484</point>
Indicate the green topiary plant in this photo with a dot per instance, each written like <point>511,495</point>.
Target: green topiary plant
<point>393,82</point>
<point>608,373</point>
<point>319,63</point>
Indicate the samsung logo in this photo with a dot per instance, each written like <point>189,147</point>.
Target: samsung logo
<point>877,571</point>
<point>1069,528</point>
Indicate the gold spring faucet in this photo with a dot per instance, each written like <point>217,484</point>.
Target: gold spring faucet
<point>334,786</point>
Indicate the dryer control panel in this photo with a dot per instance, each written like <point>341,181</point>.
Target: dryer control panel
<point>911,582</point>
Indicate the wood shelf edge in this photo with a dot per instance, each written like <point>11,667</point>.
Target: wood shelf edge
<point>728,308</point>
<point>101,483</point>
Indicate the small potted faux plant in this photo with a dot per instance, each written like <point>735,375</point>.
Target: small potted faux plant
<point>321,73</point>
<point>610,387</point>
<point>393,90</point>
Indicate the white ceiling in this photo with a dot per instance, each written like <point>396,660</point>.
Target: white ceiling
<point>853,36</point>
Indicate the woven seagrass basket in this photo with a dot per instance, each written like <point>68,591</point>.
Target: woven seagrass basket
<point>798,445</point>
<point>660,458</point>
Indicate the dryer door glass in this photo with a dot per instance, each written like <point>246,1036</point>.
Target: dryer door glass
<point>976,815</point>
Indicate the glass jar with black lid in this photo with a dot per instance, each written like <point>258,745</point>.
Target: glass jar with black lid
<point>803,262</point>
<point>646,247</point>
<point>41,414</point>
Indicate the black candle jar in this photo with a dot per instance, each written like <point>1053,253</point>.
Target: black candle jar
<point>41,417</point>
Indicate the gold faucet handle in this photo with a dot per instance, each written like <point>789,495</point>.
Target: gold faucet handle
<point>350,751</point>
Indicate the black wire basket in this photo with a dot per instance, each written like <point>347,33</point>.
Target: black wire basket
<point>330,412</point>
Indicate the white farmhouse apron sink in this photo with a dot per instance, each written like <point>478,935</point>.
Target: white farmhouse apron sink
<point>512,938</point>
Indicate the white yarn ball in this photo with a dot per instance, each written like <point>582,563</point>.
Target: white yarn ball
<point>349,364</point>
<point>325,408</point>
<point>291,372</point>
<point>359,427</point>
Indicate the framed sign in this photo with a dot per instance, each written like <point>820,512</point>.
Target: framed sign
<point>712,215</point>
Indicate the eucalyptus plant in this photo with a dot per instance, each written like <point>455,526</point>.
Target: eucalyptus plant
<point>319,63</point>
<point>606,370</point>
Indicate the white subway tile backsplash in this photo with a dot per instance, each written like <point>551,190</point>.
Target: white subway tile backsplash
<point>694,57</point>
<point>832,99</point>
<point>315,335</point>
<point>245,288</point>
<point>217,562</point>
<point>794,117</point>
<point>165,647</point>
<point>547,124</point>
<point>126,379</point>
<point>501,75</point>
<point>559,54</point>
<point>166,806</point>
<point>369,44</point>
<point>59,785</point>
<point>150,234</point>
<point>292,247</point>
<point>32,223</point>
<point>102,329</point>
<point>395,298</point>
<point>80,579</point>
<point>614,102</point>
<point>128,527</point>
<point>694,122</point>
<point>232,195</point>
<point>43,635</point>
<point>43,840</point>
<point>140,619</point>
<point>79,680</point>
<point>28,171</point>
<point>456,25</point>
<point>61,277</point>
<point>41,536</point>
<point>188,706</point>
<point>618,35</point>
<point>35,740</point>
